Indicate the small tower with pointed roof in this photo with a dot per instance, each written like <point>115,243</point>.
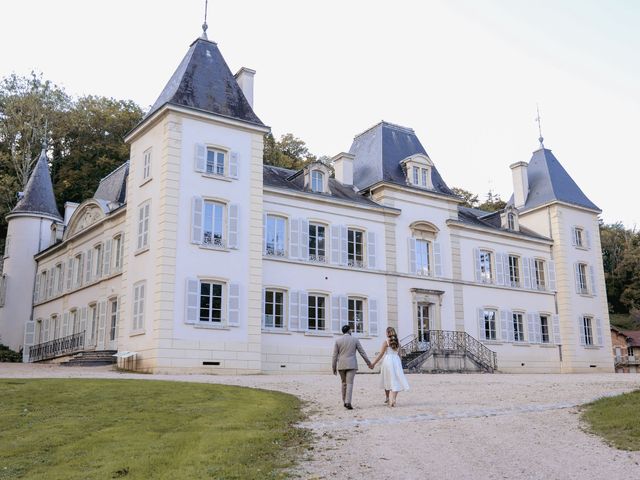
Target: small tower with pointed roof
<point>28,232</point>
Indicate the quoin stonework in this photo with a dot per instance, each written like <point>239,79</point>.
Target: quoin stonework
<point>196,257</point>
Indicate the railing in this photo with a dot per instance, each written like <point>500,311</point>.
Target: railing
<point>626,360</point>
<point>416,350</point>
<point>57,347</point>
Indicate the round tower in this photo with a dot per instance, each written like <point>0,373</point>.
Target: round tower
<point>28,232</point>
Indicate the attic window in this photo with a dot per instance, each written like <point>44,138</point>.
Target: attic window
<point>316,177</point>
<point>317,181</point>
<point>511,221</point>
<point>418,171</point>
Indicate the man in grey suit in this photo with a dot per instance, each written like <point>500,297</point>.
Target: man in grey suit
<point>345,362</point>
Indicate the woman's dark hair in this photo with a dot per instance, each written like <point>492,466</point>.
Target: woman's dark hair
<point>393,338</point>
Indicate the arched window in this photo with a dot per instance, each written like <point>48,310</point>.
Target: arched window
<point>317,181</point>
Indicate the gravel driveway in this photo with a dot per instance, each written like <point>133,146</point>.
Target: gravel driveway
<point>446,427</point>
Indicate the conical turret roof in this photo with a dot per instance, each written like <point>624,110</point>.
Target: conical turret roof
<point>38,198</point>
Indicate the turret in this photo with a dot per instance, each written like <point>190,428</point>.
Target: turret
<point>28,232</point>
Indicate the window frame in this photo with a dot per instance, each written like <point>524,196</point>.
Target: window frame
<point>490,334</point>
<point>579,237</point>
<point>275,291</point>
<point>222,320</point>
<point>352,257</point>
<point>313,306</point>
<point>146,164</point>
<point>317,257</point>
<point>97,259</point>
<point>357,326</point>
<point>58,288</point>
<point>587,330</point>
<point>117,252</point>
<point>276,219</point>
<point>224,207</point>
<point>225,161</point>
<point>316,180</point>
<point>143,230</point>
<point>484,277</point>
<point>78,270</point>
<point>540,274</point>
<point>544,325</point>
<point>113,317</point>
<point>583,283</point>
<point>517,319</point>
<point>514,270</point>
<point>422,269</point>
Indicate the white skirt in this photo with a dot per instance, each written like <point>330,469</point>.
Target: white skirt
<point>391,374</point>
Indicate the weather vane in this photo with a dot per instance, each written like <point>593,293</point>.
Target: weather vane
<point>204,25</point>
<point>539,121</point>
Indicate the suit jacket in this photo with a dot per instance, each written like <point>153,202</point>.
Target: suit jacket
<point>344,353</point>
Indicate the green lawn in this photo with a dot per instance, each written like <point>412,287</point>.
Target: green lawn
<point>616,419</point>
<point>144,429</point>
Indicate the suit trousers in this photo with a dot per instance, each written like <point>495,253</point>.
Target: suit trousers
<point>347,377</point>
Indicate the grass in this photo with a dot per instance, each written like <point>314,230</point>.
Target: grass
<point>616,419</point>
<point>140,429</point>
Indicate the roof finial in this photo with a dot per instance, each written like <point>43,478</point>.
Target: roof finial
<point>204,25</point>
<point>537,119</point>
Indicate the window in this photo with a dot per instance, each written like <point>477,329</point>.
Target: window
<point>273,309</point>
<point>143,226</point>
<point>518,327</point>
<point>355,248</point>
<point>420,176</point>
<point>59,287</point>
<point>114,319</point>
<point>539,273</point>
<point>215,161</point>
<point>7,245</point>
<point>317,312</point>
<point>490,324</point>
<point>317,181</point>
<point>544,328</point>
<point>425,174</point>
<point>317,243</point>
<point>117,252</point>
<point>213,230</point>
<point>416,175</point>
<point>3,289</point>
<point>356,317</point>
<point>514,271</point>
<point>486,272</point>
<point>97,261</point>
<point>139,293</point>
<point>422,257</point>
<point>146,167</point>
<point>511,221</point>
<point>210,302</point>
<point>581,272</point>
<point>578,237</point>
<point>587,330</point>
<point>42,294</point>
<point>74,322</point>
<point>77,270</point>
<point>275,240</point>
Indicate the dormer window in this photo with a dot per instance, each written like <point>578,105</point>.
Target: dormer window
<point>509,219</point>
<point>418,171</point>
<point>317,181</point>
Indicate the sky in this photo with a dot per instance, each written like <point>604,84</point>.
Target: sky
<point>466,75</point>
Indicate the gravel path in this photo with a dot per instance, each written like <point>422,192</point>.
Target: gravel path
<point>445,427</point>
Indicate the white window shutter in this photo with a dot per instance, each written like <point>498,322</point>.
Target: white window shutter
<point>344,311</point>
<point>45,330</point>
<point>336,258</point>
<point>482,334</point>
<point>526,272</point>
<point>343,244</point>
<point>234,304</point>
<point>576,274</point>
<point>587,236</point>
<point>478,269</point>
<point>592,277</point>
<point>437,259</point>
<point>69,273</point>
<point>234,225</point>
<point>36,291</point>
<point>294,311</point>
<point>499,269</point>
<point>192,301</point>
<point>373,317</point>
<point>552,275</point>
<point>29,335</point>
<point>83,321</point>
<point>264,233</point>
<point>507,273</point>
<point>531,325</point>
<point>538,327</point>
<point>122,236</point>
<point>50,283</point>
<point>294,239</point>
<point>555,320</point>
<point>304,239</point>
<point>583,340</point>
<point>60,285</point>
<point>106,265</point>
<point>304,311</point>
<point>65,324</point>
<point>599,332</point>
<point>371,249</point>
<point>573,236</point>
<point>412,255</point>
<point>102,320</point>
<point>233,165</point>
<point>196,220</point>
<point>262,315</point>
<point>88,265</point>
<point>504,325</point>
<point>200,157</point>
<point>335,314</point>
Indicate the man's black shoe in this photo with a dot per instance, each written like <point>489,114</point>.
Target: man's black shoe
<point>348,406</point>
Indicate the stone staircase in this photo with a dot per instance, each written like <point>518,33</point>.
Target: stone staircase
<point>94,358</point>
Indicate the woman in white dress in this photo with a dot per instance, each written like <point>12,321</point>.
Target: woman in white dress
<point>392,376</point>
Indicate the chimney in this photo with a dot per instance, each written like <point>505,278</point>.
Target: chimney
<point>520,183</point>
<point>69,208</point>
<point>343,166</point>
<point>244,77</point>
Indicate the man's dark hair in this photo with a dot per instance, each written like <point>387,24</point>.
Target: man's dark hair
<point>345,328</point>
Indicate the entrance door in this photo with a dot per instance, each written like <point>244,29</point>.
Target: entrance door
<point>112,324</point>
<point>423,325</point>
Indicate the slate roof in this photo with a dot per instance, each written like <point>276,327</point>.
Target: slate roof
<point>491,221</point>
<point>549,181</point>
<point>38,197</point>
<point>279,177</point>
<point>379,151</point>
<point>634,335</point>
<point>113,187</point>
<point>204,82</point>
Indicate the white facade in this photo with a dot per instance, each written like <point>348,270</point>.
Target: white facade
<point>227,266</point>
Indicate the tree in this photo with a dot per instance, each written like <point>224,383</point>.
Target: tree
<point>493,203</point>
<point>288,152</point>
<point>470,199</point>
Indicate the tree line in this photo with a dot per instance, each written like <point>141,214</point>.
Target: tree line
<point>84,138</point>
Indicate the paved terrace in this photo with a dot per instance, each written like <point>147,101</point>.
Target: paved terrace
<point>447,427</point>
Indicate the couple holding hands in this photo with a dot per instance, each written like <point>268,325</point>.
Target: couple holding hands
<point>392,377</point>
